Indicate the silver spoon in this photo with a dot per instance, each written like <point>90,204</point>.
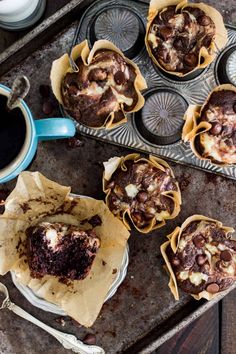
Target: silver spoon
<point>19,90</point>
<point>67,340</point>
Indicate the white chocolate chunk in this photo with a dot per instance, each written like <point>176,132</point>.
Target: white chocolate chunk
<point>212,249</point>
<point>52,237</point>
<point>153,39</point>
<point>162,215</point>
<point>131,190</point>
<point>196,278</point>
<point>183,275</point>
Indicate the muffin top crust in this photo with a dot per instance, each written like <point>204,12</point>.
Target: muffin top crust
<point>177,35</point>
<point>104,86</point>
<point>205,258</point>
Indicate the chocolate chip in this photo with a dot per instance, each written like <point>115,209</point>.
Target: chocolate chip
<point>95,221</point>
<point>44,91</point>
<point>234,107</point>
<point>181,43</point>
<point>97,74</point>
<point>90,339</point>
<point>226,256</point>
<point>168,14</point>
<point>74,142</point>
<point>199,241</point>
<point>142,196</point>
<point>206,42</point>
<point>204,20</point>
<point>47,107</point>
<point>119,78</point>
<point>166,33</point>
<point>216,128</point>
<point>111,185</point>
<point>137,218</point>
<point>72,90</point>
<point>175,261</point>
<point>163,53</point>
<point>213,288</point>
<point>201,259</point>
<point>148,216</point>
<point>191,59</point>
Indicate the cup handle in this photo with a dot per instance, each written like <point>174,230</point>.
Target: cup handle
<point>54,128</point>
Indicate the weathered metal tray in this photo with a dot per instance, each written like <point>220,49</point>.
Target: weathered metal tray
<point>157,127</point>
<point>142,314</point>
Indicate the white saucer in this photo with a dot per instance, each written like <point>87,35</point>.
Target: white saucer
<point>49,307</point>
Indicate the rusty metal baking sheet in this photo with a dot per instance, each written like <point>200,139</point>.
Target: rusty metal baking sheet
<point>143,313</point>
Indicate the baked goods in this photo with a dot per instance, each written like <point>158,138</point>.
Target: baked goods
<point>60,250</point>
<point>211,129</point>
<point>141,190</point>
<point>105,87</point>
<point>200,257</point>
<point>67,249</point>
<point>182,37</point>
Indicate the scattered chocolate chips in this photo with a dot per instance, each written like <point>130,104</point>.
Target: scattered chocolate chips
<point>90,339</point>
<point>44,91</point>
<point>119,78</point>
<point>47,107</point>
<point>114,271</point>
<point>226,256</point>
<point>204,20</point>
<point>74,142</point>
<point>213,288</point>
<point>216,128</point>
<point>199,241</point>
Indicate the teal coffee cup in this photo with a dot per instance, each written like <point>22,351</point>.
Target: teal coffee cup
<point>34,131</point>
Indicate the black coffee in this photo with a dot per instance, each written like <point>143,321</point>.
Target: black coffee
<point>12,132</point>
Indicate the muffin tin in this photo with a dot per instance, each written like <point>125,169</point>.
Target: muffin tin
<point>157,127</point>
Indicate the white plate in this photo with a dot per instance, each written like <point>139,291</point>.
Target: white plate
<point>49,307</point>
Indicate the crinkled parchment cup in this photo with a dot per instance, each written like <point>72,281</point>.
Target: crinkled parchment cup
<point>193,126</point>
<point>61,67</point>
<point>35,199</point>
<point>119,162</point>
<point>173,241</point>
<point>209,54</point>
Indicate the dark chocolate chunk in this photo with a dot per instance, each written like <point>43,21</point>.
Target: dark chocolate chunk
<point>73,90</point>
<point>206,42</point>
<point>97,74</point>
<point>44,91</point>
<point>204,20</point>
<point>48,107</point>
<point>227,130</point>
<point>213,288</point>
<point>149,216</point>
<point>201,259</point>
<point>181,43</point>
<point>142,196</point>
<point>168,14</point>
<point>226,256</point>
<point>75,142</point>
<point>199,241</point>
<point>119,78</point>
<point>90,339</point>
<point>216,128</point>
<point>191,59</point>
<point>166,33</point>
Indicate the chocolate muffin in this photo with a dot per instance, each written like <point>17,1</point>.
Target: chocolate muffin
<point>145,190</point>
<point>181,38</point>
<point>213,132</point>
<point>205,257</point>
<point>60,250</point>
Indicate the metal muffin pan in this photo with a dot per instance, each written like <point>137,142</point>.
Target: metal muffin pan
<point>157,127</point>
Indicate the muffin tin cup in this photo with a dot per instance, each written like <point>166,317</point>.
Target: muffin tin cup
<point>194,88</point>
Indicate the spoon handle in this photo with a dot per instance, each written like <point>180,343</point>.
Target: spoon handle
<point>67,340</point>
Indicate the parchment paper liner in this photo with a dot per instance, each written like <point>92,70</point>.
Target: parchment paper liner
<point>193,127</point>
<point>209,54</point>
<point>173,242</point>
<point>119,162</point>
<point>36,198</point>
<point>62,65</point>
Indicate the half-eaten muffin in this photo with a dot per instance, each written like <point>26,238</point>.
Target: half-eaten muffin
<point>60,250</point>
